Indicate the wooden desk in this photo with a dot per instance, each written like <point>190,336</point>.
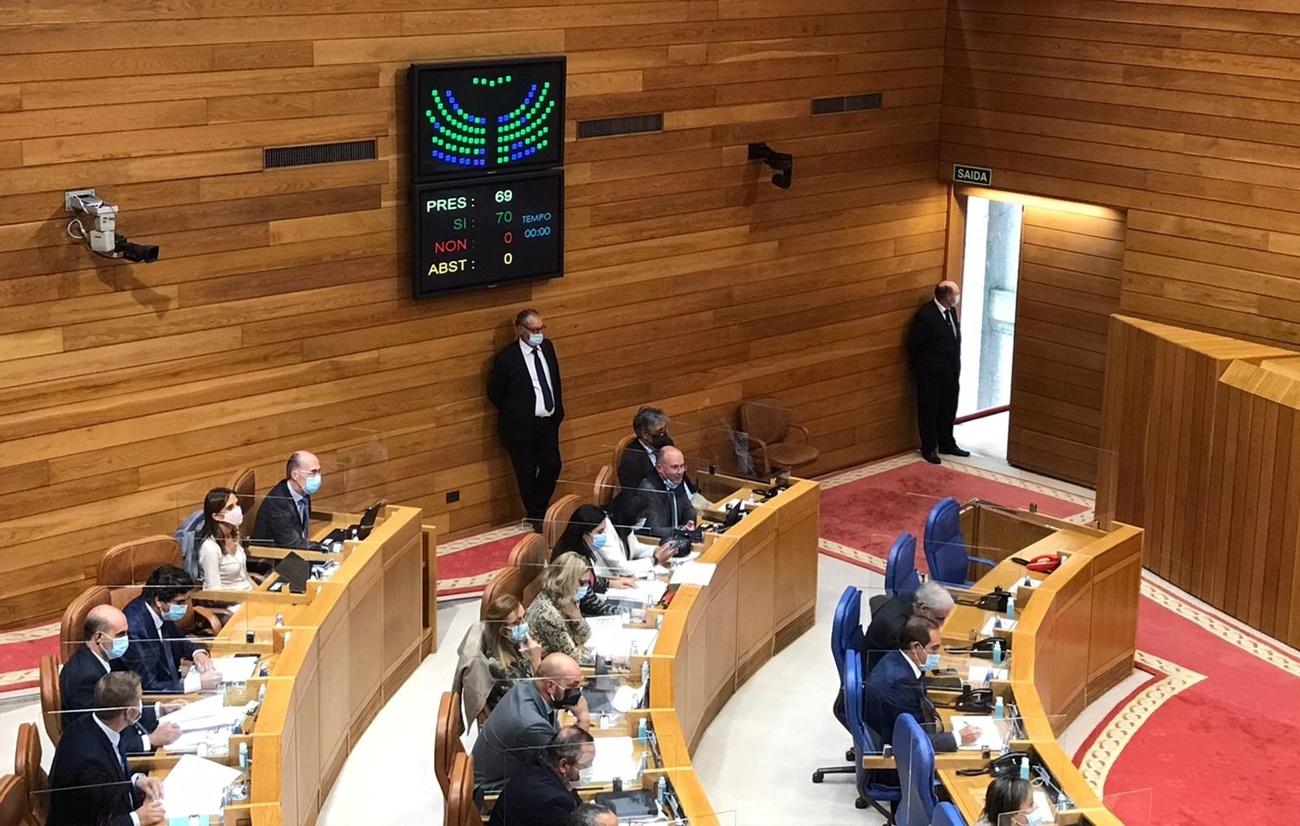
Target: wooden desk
<point>351,644</point>
<point>762,597</point>
<point>1074,641</point>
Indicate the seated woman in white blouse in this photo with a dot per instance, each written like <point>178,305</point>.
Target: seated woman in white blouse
<point>592,535</point>
<point>221,556</point>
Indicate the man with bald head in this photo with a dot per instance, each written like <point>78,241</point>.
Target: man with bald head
<point>934,344</point>
<point>285,515</point>
<point>105,641</point>
<point>524,721</point>
<point>664,499</point>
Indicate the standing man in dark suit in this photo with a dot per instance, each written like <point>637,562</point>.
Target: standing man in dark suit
<point>543,795</point>
<point>285,514</point>
<point>106,641</point>
<point>934,343</point>
<point>90,781</point>
<point>897,686</point>
<point>524,386</point>
<point>157,646</point>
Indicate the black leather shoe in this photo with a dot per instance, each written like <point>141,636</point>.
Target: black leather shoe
<point>954,451</point>
<point>930,456</point>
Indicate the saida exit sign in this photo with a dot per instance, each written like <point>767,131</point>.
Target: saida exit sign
<point>977,175</point>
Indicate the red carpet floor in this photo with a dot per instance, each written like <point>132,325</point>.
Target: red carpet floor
<point>1210,738</point>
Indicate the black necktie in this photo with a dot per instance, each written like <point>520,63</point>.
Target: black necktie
<point>304,513</point>
<point>952,324</point>
<point>548,401</point>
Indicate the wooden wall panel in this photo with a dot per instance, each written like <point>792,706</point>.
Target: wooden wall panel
<point>1183,113</point>
<point>1071,266</point>
<point>278,317</point>
<point>1201,447</point>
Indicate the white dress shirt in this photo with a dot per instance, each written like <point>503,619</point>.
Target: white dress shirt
<point>916,669</point>
<point>539,406</point>
<point>949,320</point>
<point>157,707</point>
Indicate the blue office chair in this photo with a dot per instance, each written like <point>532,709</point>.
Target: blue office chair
<point>945,549</point>
<point>900,566</point>
<point>872,791</point>
<point>946,814</point>
<point>914,758</point>
<point>846,635</point>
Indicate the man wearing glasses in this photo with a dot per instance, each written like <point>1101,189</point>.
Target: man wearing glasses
<point>524,386</point>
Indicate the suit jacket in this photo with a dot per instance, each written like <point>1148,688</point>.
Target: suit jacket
<point>935,351</point>
<point>98,789</point>
<point>510,389</point>
<point>77,696</point>
<point>654,503</point>
<point>280,521</point>
<point>536,797</point>
<point>514,734</point>
<point>155,658</point>
<point>886,624</point>
<point>892,688</point>
<point>634,465</point>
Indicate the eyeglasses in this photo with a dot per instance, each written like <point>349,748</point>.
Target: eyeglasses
<point>534,329</point>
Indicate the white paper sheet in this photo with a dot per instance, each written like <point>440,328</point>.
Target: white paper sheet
<point>194,787</point>
<point>694,573</point>
<point>644,591</point>
<point>210,712</point>
<point>992,732</point>
<point>614,758</point>
<point>610,639</point>
<point>235,669</point>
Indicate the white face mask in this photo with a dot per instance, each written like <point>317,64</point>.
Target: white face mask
<point>233,517</point>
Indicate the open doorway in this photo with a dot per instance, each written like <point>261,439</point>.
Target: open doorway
<point>990,276</point>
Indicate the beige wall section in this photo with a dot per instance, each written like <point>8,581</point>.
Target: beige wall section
<point>1181,113</point>
<point>278,315</point>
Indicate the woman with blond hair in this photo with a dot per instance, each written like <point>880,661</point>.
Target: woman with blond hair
<point>554,619</point>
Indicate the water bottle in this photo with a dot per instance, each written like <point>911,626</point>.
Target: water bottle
<point>661,792</point>
<point>243,756</point>
<point>1024,768</point>
<point>1011,609</point>
<point>645,672</point>
<point>999,709</point>
<point>641,730</point>
<point>997,652</point>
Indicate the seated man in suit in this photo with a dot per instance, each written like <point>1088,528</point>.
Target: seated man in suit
<point>542,794</point>
<point>90,782</point>
<point>106,641</point>
<point>931,601</point>
<point>285,514</point>
<point>638,460</point>
<point>157,646</point>
<point>523,722</point>
<point>897,686</point>
<point>663,499</point>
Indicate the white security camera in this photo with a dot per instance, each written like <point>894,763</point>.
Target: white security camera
<point>103,239</point>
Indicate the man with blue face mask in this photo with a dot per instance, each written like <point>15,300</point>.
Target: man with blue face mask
<point>524,387</point>
<point>157,645</point>
<point>106,642</point>
<point>897,686</point>
<point>284,517</point>
<point>664,499</point>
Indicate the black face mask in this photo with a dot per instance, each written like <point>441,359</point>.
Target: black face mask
<point>569,698</point>
<point>659,441</point>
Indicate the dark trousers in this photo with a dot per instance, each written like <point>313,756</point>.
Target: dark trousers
<point>537,466</point>
<point>936,407</point>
